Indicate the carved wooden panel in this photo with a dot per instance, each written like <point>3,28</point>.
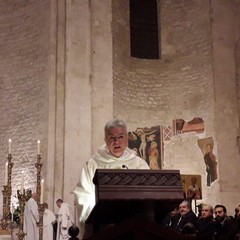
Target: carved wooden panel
<point>124,193</point>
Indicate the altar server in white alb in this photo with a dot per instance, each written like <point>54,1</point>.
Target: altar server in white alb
<point>31,218</point>
<point>49,219</point>
<point>113,155</point>
<point>65,219</point>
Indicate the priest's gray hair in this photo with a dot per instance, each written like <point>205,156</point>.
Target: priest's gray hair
<point>114,123</point>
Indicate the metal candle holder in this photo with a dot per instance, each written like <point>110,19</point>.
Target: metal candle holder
<point>7,193</point>
<point>9,184</point>
<point>40,225</point>
<point>39,165</point>
<point>4,218</point>
<point>22,197</point>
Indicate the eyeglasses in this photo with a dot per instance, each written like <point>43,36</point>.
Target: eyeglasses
<point>113,138</point>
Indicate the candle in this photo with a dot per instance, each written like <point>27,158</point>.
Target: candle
<point>6,174</point>
<point>22,182</point>
<point>38,147</point>
<point>9,146</point>
<point>42,190</point>
<point>12,212</point>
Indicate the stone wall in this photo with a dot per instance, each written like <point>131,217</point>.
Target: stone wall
<point>226,35</point>
<point>23,86</point>
<point>183,84</point>
<point>66,70</point>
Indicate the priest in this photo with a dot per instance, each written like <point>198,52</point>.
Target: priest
<point>31,218</point>
<point>65,220</point>
<point>49,219</point>
<point>114,154</point>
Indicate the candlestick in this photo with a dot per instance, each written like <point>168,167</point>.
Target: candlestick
<point>22,182</point>
<point>42,190</point>
<point>38,147</point>
<point>6,174</point>
<point>9,146</point>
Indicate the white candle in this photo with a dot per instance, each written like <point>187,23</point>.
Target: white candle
<point>38,147</point>
<point>6,174</point>
<point>9,146</point>
<point>12,212</point>
<point>22,182</point>
<point>42,190</point>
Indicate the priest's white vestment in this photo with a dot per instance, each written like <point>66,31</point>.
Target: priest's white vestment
<point>85,190</point>
<point>48,219</point>
<point>65,221</point>
<point>31,218</point>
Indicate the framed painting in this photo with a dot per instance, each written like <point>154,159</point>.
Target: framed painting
<point>147,142</point>
<point>192,186</point>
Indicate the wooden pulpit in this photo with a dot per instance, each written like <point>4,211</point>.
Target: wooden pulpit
<point>126,199</point>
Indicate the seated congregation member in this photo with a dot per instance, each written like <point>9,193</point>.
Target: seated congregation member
<point>237,219</point>
<point>114,154</point>
<point>234,233</point>
<point>186,215</point>
<point>189,229</point>
<point>206,225</point>
<point>224,224</point>
<point>167,220</point>
<point>237,213</point>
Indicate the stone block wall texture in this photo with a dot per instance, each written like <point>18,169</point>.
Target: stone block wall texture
<point>225,25</point>
<point>182,85</point>
<point>168,85</point>
<point>24,39</point>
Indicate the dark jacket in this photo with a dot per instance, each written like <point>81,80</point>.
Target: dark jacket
<point>179,221</point>
<point>206,226</point>
<point>224,229</point>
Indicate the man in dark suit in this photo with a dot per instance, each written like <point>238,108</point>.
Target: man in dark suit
<point>224,223</point>
<point>206,225</point>
<point>186,215</point>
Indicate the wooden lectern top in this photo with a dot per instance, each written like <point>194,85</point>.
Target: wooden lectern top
<point>123,193</point>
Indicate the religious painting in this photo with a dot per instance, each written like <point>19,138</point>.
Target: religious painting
<point>192,186</point>
<point>207,145</point>
<point>147,142</point>
<point>195,125</point>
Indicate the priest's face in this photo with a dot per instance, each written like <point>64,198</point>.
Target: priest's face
<point>116,141</point>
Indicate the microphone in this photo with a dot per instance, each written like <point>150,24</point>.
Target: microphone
<point>125,167</point>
